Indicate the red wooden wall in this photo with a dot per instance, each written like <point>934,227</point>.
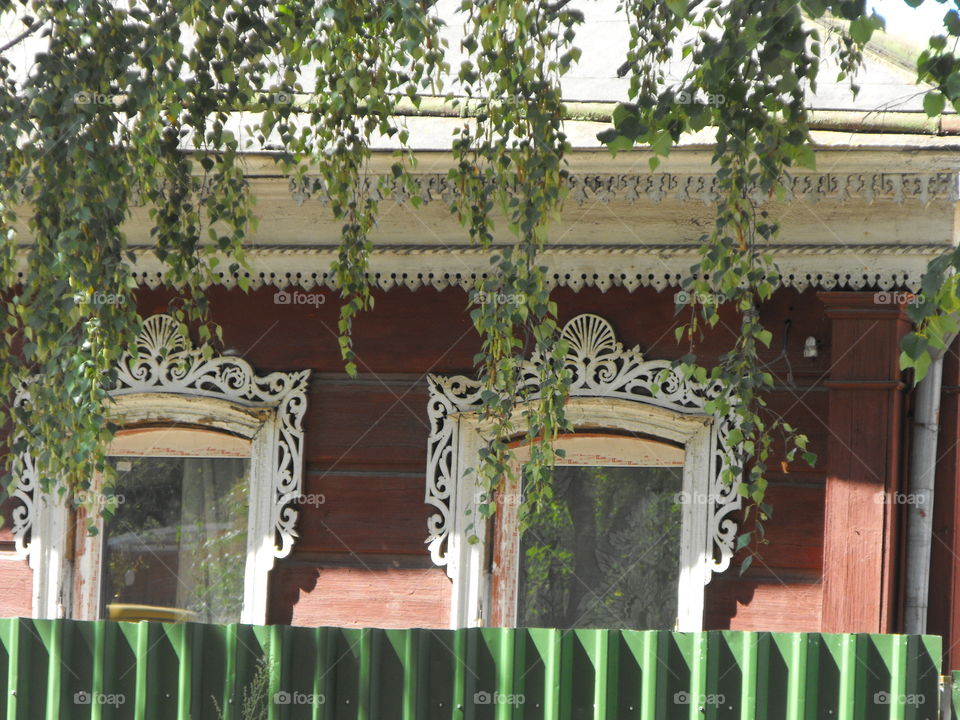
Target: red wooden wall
<point>16,578</point>
<point>944,589</point>
<point>361,557</point>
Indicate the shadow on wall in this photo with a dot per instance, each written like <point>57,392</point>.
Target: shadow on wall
<point>378,593</point>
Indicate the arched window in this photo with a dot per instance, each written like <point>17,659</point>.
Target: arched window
<point>604,552</point>
<point>642,441</point>
<point>175,543</point>
<point>208,464</point>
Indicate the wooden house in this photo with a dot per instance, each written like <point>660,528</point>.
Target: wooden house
<point>267,486</point>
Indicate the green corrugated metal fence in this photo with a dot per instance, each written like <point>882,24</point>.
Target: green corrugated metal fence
<point>62,669</point>
<point>955,695</point>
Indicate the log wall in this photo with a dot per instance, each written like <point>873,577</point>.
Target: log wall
<point>361,557</point>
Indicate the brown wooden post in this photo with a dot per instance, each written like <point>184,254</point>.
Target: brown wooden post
<point>863,461</point>
<point>944,612</point>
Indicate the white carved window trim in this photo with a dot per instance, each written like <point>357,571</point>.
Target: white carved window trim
<point>170,381</point>
<point>612,387</point>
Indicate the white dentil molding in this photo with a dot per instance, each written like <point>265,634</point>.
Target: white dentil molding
<point>585,187</point>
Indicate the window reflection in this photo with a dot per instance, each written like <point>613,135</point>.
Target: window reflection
<point>179,538</point>
<point>604,552</point>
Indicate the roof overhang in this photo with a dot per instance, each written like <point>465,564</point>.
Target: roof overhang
<point>874,216</point>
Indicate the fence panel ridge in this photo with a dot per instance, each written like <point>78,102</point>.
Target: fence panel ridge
<point>76,670</point>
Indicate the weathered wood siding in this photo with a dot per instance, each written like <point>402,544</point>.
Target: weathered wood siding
<point>361,557</point>
<point>944,587</point>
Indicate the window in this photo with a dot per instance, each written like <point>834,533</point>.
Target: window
<point>176,545</point>
<point>209,471</point>
<point>642,437</point>
<point>605,551</point>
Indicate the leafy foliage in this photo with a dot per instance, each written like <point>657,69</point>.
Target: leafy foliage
<point>147,102</point>
<point>510,159</point>
<point>750,63</point>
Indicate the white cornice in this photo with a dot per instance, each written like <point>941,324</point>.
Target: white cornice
<point>658,266</point>
<point>883,228</point>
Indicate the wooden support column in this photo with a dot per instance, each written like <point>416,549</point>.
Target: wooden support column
<point>944,612</point>
<point>863,461</point>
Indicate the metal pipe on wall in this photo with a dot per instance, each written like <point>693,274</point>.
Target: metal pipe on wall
<point>923,461</point>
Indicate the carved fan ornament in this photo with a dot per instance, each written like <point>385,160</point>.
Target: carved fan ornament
<point>167,363</point>
<point>600,367</point>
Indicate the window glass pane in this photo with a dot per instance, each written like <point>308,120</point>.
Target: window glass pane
<point>606,552</point>
<point>179,537</point>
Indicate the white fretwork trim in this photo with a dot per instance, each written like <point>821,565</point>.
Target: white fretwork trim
<point>608,187</point>
<point>898,187</point>
<point>662,267</point>
<point>601,368</point>
<point>167,378</point>
<point>167,362</point>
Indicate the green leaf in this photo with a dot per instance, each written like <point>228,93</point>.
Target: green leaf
<point>953,85</point>
<point>933,104</point>
<point>807,157</point>
<point>920,367</point>
<point>662,144</point>
<point>615,141</point>
<point>678,7</point>
<point>952,22</point>
<point>861,29</point>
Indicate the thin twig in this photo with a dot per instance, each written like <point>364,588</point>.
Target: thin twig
<point>29,31</point>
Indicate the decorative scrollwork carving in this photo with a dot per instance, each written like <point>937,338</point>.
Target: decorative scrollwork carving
<point>600,367</point>
<point>657,187</point>
<point>166,362</point>
<point>26,492</point>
